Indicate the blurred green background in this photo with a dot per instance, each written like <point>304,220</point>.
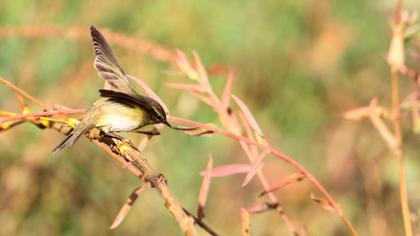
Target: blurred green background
<point>299,64</point>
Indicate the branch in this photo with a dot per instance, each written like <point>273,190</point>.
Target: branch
<point>126,155</point>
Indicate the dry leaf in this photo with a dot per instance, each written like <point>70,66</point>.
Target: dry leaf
<point>293,178</point>
<point>228,170</point>
<point>185,66</point>
<point>186,87</point>
<point>248,115</point>
<point>326,205</point>
<point>383,130</point>
<point>357,114</point>
<point>202,74</point>
<point>204,190</point>
<point>245,222</point>
<point>262,207</point>
<point>254,169</point>
<point>126,207</point>
<point>228,88</point>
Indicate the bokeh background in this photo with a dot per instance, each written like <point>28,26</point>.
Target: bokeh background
<point>299,64</point>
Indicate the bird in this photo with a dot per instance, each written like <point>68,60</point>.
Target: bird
<point>120,108</point>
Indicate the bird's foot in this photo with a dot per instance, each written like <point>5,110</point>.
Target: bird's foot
<point>152,132</point>
<point>124,141</point>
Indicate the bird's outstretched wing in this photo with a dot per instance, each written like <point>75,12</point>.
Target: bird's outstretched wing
<point>107,65</point>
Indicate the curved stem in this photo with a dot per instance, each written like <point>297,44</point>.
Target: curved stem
<point>399,152</point>
<point>23,93</point>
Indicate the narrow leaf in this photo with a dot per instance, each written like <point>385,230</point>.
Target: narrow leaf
<point>204,190</point>
<point>228,88</point>
<point>383,130</point>
<point>326,205</point>
<point>262,207</point>
<point>248,115</point>
<point>126,207</point>
<point>293,178</point>
<point>186,86</point>
<point>185,66</point>
<point>195,90</point>
<point>203,98</point>
<point>202,74</point>
<point>356,114</point>
<point>250,134</point>
<point>364,112</point>
<point>247,151</point>
<point>228,170</point>
<point>245,222</point>
<point>379,124</point>
<point>254,169</point>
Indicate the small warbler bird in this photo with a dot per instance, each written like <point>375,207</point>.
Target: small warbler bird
<point>120,108</point>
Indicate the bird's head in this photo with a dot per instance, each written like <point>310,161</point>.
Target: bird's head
<point>157,114</point>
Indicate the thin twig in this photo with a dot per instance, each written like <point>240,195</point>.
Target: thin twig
<point>23,93</point>
<point>42,114</point>
<point>200,223</point>
<point>396,60</point>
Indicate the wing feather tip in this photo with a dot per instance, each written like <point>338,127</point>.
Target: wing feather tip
<point>93,30</point>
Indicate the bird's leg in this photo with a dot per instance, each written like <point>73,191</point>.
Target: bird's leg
<point>153,132</point>
<point>106,133</point>
<point>150,133</point>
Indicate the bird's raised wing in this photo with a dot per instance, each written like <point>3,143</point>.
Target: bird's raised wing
<point>107,65</point>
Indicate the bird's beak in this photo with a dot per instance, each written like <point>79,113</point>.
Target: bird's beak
<point>167,124</point>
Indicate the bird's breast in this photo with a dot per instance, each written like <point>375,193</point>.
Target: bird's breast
<point>120,117</point>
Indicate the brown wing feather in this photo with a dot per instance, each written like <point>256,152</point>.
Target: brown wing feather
<point>139,100</point>
<point>107,65</point>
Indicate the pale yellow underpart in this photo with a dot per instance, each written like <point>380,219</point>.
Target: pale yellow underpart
<point>118,117</point>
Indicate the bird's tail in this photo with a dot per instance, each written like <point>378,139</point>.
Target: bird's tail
<point>72,137</point>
